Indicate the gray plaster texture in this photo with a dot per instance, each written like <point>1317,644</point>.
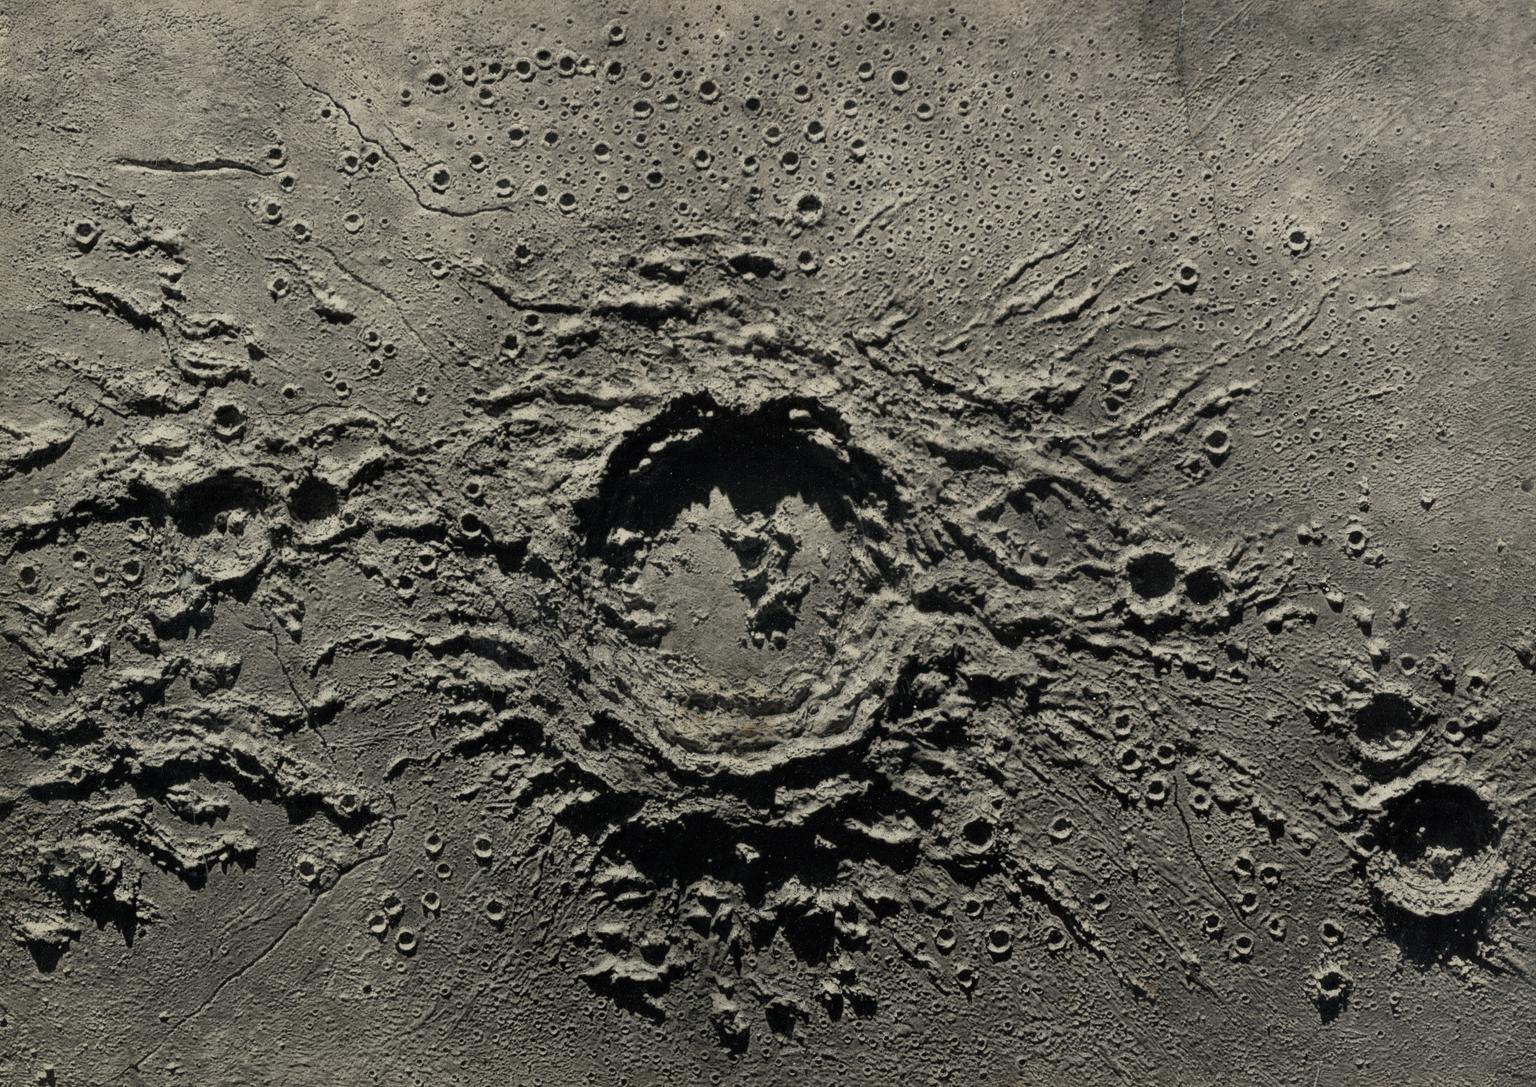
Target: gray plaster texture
<point>679,543</point>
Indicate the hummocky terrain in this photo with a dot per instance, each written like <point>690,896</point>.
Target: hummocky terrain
<point>723,543</point>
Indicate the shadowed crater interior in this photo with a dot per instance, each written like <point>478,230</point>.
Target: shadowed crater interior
<point>739,555</point>
<point>1437,847</point>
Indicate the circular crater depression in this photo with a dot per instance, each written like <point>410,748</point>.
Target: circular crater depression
<point>743,566</point>
<point>1389,726</point>
<point>1437,850</point>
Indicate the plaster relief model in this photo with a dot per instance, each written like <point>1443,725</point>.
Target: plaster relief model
<point>745,544</point>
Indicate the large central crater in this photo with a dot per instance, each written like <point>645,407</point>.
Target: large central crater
<point>741,563</point>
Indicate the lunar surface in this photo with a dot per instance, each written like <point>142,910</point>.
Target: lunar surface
<point>680,543</point>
